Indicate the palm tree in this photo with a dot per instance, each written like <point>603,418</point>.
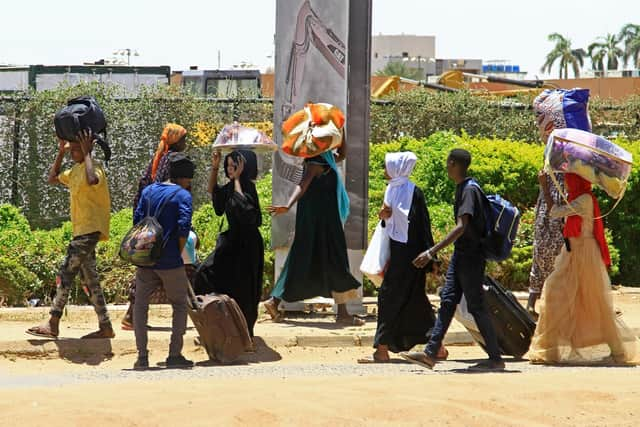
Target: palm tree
<point>630,36</point>
<point>597,59</point>
<point>397,68</point>
<point>566,56</point>
<point>606,46</point>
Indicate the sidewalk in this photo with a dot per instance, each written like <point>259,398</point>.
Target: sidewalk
<point>299,329</point>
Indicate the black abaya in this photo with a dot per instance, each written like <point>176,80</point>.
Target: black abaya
<point>405,315</point>
<point>236,266</point>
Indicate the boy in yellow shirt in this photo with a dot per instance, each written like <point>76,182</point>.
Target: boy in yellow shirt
<point>90,209</point>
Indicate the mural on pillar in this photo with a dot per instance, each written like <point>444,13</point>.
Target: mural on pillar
<point>311,64</point>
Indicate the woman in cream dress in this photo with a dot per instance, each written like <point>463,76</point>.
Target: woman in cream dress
<point>577,321</point>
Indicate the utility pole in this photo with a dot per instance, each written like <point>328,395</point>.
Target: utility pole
<point>128,52</point>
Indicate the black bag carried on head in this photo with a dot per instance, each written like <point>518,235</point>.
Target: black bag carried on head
<point>82,113</point>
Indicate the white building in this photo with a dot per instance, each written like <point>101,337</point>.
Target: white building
<point>45,77</point>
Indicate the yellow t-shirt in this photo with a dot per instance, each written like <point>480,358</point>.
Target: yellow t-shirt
<point>90,204</point>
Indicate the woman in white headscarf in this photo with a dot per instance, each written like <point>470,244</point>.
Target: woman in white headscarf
<point>405,316</point>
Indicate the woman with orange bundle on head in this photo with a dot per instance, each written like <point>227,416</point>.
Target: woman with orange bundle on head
<point>577,321</point>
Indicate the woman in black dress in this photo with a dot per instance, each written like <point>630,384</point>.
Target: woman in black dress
<point>405,315</point>
<point>236,266</point>
<point>317,264</point>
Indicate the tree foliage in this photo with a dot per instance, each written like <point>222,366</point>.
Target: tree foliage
<point>630,36</point>
<point>565,55</point>
<point>399,68</point>
<point>605,47</point>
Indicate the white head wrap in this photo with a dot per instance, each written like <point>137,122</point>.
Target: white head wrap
<point>399,193</point>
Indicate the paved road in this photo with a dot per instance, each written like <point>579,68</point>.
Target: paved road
<point>266,363</point>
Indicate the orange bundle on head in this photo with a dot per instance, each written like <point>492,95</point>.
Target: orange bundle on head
<point>315,129</point>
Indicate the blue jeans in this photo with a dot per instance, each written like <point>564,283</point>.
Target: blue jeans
<point>464,276</point>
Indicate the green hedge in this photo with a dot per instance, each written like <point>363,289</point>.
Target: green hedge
<point>29,259</point>
<point>420,113</point>
<point>510,169</point>
<point>135,125</point>
<point>134,129</point>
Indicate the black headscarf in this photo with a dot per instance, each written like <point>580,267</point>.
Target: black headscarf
<point>250,171</point>
<point>249,175</point>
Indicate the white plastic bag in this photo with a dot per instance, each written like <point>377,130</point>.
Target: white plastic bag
<point>463,316</point>
<point>376,259</point>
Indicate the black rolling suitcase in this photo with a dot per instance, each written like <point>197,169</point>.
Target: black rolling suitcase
<point>513,325</point>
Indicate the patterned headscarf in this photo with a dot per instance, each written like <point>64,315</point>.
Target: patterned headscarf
<point>171,134</point>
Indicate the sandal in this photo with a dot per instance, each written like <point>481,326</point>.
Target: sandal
<point>350,321</point>
<point>100,334</point>
<point>42,332</point>
<point>419,358</point>
<point>372,359</point>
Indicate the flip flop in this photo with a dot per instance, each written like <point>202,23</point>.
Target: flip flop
<point>371,359</point>
<point>37,331</point>
<point>98,335</point>
<point>419,358</point>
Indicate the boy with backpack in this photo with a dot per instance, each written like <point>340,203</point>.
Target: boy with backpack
<point>171,205</point>
<point>465,274</point>
<point>90,210</point>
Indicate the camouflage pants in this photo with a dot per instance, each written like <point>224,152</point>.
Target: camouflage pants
<point>81,258</point>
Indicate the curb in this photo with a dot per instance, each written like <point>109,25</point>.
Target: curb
<point>75,348</point>
<point>67,348</point>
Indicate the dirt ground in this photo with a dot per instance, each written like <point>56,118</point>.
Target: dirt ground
<point>314,386</point>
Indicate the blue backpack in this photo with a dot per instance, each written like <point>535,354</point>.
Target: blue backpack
<point>502,221</point>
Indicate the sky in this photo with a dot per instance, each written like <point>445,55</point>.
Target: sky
<point>192,32</point>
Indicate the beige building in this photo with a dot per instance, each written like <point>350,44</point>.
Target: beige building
<point>416,51</point>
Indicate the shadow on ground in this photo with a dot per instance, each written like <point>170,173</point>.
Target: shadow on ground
<point>81,351</point>
<point>263,353</point>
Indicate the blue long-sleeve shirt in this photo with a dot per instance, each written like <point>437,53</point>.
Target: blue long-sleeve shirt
<point>175,218</point>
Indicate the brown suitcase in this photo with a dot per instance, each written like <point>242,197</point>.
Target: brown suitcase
<point>221,325</point>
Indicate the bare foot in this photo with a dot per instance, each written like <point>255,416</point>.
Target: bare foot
<point>375,358</point>
<point>443,353</point>
<point>272,309</point>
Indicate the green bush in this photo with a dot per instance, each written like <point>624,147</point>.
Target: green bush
<point>17,283</point>
<point>29,260</point>
<point>135,125</point>
<point>508,168</point>
<point>624,222</point>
